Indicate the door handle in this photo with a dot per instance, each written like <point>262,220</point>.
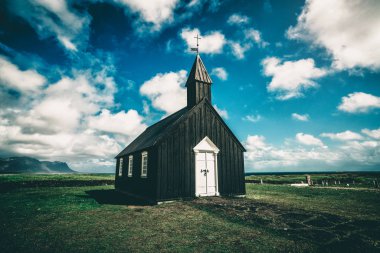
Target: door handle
<point>205,172</point>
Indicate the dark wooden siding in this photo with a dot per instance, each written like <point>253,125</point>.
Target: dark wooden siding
<point>176,159</point>
<point>145,187</point>
<point>196,91</point>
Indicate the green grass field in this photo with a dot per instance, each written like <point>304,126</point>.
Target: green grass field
<point>333,179</point>
<point>19,178</point>
<point>273,218</point>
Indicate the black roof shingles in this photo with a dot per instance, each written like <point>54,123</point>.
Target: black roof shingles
<point>198,72</point>
<point>153,133</point>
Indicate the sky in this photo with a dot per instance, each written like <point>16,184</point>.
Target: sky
<point>297,82</point>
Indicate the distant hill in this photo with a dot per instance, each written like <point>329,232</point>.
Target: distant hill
<point>31,165</point>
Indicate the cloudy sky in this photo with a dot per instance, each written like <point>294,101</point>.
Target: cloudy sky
<point>298,82</point>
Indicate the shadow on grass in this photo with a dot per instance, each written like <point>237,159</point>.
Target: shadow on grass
<point>326,232</point>
<point>113,197</point>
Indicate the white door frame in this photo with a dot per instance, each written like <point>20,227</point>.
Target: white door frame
<point>206,145</point>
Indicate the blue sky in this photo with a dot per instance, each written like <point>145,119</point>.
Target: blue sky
<point>298,82</point>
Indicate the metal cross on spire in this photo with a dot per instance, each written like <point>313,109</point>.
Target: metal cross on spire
<point>196,49</point>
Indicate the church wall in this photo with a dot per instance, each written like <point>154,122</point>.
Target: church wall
<point>176,159</point>
<point>145,187</point>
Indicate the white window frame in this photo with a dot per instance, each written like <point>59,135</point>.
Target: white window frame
<point>130,166</point>
<point>144,169</point>
<point>121,167</point>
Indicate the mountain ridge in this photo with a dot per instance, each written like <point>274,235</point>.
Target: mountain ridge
<point>24,164</point>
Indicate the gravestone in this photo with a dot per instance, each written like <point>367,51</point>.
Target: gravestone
<point>308,180</point>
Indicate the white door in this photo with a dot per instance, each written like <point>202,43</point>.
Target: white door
<point>210,164</point>
<point>201,174</point>
<point>205,174</point>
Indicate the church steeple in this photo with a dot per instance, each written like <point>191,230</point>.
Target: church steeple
<point>198,83</point>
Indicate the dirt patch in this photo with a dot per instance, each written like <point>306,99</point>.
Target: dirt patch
<point>320,222</point>
<point>296,225</point>
<point>296,216</point>
<point>327,231</point>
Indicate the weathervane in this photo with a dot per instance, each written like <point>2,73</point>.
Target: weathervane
<point>196,49</point>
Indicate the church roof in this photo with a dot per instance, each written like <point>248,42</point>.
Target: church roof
<point>153,133</point>
<point>198,72</point>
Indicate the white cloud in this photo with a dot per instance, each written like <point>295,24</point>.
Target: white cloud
<point>146,108</point>
<point>211,43</point>
<point>300,117</point>
<point>195,3</point>
<point>356,154</point>
<point>291,78</point>
<point>166,91</point>
<point>347,29</point>
<point>256,147</point>
<point>220,72</point>
<point>255,36</point>
<point>127,123</point>
<point>364,152</point>
<point>55,18</point>
<point>69,120</point>
<point>343,136</point>
<point>237,19</point>
<point>21,80</point>
<point>154,12</point>
<point>239,50</point>
<point>74,98</point>
<point>263,156</point>
<point>69,21</point>
<point>222,112</point>
<point>153,16</point>
<point>67,43</point>
<point>48,114</point>
<point>252,118</point>
<point>70,147</point>
<point>251,37</point>
<point>372,133</point>
<point>359,102</point>
<point>308,139</point>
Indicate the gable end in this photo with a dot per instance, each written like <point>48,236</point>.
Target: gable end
<point>204,102</point>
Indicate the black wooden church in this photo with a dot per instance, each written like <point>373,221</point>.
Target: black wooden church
<point>190,153</point>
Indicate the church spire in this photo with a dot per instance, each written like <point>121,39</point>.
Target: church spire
<point>198,83</point>
<point>198,72</point>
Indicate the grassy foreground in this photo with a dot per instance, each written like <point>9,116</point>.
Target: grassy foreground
<point>273,218</point>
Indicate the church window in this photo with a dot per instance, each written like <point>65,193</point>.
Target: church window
<point>130,166</point>
<point>121,167</point>
<point>144,164</point>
